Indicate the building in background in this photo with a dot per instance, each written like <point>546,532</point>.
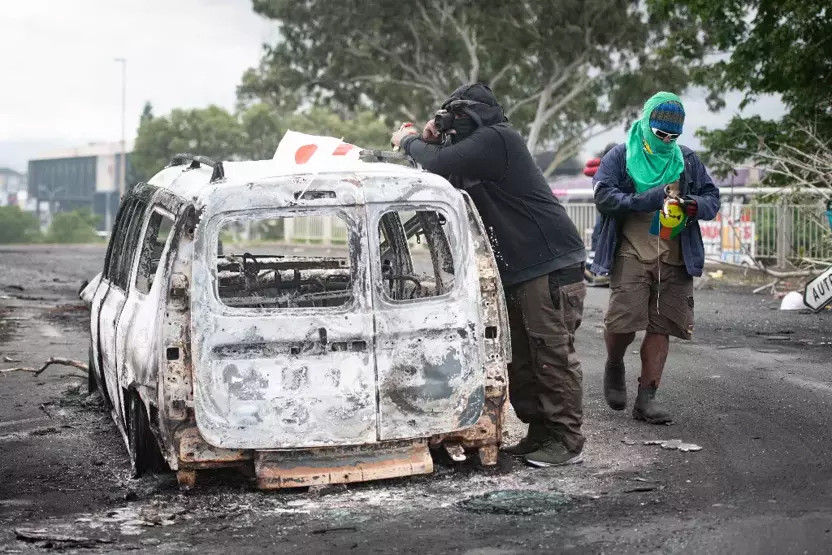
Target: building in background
<point>13,191</point>
<point>84,177</point>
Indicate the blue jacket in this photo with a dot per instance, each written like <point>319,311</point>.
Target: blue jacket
<point>616,197</point>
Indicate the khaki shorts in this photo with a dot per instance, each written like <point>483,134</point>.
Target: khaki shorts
<point>639,301</point>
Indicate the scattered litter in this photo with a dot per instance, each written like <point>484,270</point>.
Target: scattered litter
<point>55,540</point>
<point>327,489</point>
<point>673,444</point>
<point>338,529</point>
<point>515,502</point>
<point>640,479</point>
<point>628,442</point>
<point>640,489</point>
<point>10,359</point>
<point>52,360</point>
<point>770,286</point>
<point>793,301</point>
<point>719,274</point>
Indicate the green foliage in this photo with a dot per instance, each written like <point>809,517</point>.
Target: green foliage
<point>17,226</point>
<point>73,227</point>
<point>781,48</point>
<point>251,135</point>
<point>564,70</point>
<point>210,131</point>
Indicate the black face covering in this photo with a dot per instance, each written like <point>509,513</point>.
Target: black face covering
<point>463,128</point>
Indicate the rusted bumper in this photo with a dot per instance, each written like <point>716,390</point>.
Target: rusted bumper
<point>339,465</point>
<point>486,435</point>
<point>290,469</point>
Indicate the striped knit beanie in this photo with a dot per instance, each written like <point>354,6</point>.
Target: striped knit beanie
<point>669,117</point>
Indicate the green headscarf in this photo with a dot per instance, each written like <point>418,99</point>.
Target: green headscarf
<point>650,161</point>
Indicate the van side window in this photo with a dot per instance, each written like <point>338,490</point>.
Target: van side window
<point>258,268</point>
<point>129,238</point>
<point>117,239</point>
<point>155,239</point>
<point>416,259</point>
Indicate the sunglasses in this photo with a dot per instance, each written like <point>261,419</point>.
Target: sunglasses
<point>664,135</point>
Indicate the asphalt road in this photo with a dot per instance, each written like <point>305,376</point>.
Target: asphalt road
<point>753,389</point>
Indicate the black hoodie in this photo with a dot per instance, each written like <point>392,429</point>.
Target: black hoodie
<point>530,231</point>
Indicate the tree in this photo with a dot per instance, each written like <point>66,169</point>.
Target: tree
<point>210,131</point>
<point>564,70</point>
<point>17,226</point>
<point>73,227</point>
<point>253,134</point>
<point>781,48</point>
<point>147,113</point>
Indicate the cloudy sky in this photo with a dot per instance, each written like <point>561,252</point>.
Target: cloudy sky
<point>62,88</point>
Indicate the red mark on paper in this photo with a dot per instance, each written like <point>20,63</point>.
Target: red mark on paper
<point>342,149</point>
<point>304,153</point>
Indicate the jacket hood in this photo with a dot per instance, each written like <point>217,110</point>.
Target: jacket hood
<point>481,104</point>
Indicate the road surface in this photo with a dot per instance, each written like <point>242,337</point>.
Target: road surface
<point>753,389</point>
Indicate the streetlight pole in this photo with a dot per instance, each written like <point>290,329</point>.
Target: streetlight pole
<point>122,182</point>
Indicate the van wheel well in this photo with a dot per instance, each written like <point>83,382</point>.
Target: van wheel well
<point>145,455</point>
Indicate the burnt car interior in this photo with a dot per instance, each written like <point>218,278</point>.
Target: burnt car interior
<point>256,270</point>
<point>416,260</point>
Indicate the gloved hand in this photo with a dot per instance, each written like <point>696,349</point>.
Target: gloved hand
<point>592,167</point>
<point>690,207</point>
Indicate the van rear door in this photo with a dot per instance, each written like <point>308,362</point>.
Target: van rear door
<point>430,364</point>
<point>283,333</point>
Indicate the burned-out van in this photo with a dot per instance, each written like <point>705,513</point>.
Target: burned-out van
<point>311,325</point>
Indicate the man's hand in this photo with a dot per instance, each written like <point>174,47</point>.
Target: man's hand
<point>405,130</point>
<point>690,207</point>
<point>430,134</point>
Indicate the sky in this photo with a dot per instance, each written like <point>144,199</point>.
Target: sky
<point>62,87</point>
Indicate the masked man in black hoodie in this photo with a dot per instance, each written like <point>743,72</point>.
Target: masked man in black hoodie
<point>541,260</point>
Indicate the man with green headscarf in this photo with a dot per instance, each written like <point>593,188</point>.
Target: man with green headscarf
<point>651,193</point>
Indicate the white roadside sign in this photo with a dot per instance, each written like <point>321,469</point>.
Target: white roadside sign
<point>818,292</point>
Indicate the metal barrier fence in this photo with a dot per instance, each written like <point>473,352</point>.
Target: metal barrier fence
<point>775,233</point>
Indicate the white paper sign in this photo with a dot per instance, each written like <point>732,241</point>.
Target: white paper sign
<point>301,149</point>
<point>818,292</point>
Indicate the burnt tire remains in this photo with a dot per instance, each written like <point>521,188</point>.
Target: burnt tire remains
<point>145,455</point>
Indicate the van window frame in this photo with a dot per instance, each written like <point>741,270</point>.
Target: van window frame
<point>127,253</point>
<point>354,240</point>
<point>452,236</point>
<point>156,208</point>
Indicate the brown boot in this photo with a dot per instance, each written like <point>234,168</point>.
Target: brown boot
<point>615,385</point>
<point>529,444</point>
<point>648,409</point>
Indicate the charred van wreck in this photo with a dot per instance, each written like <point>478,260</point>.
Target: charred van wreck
<point>216,342</point>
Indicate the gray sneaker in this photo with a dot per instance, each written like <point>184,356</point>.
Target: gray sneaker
<point>553,453</point>
<point>529,444</point>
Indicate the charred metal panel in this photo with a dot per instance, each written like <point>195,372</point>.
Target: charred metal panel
<point>429,358</point>
<point>486,434</point>
<point>195,452</point>
<point>268,378</point>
